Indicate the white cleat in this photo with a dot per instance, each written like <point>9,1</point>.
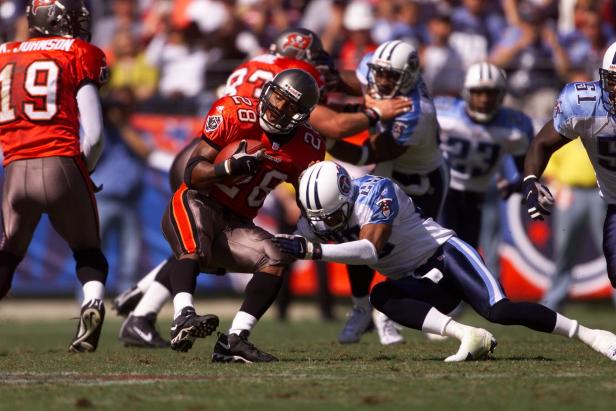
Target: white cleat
<point>605,343</point>
<point>357,322</point>
<point>435,337</point>
<point>475,345</point>
<point>387,329</point>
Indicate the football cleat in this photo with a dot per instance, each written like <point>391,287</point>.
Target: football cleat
<point>126,302</point>
<point>139,331</point>
<point>605,343</point>
<point>188,326</point>
<point>386,328</point>
<point>89,327</point>
<point>237,348</point>
<point>475,345</point>
<point>356,324</point>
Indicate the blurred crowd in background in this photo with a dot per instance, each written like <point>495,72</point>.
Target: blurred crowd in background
<point>178,52</point>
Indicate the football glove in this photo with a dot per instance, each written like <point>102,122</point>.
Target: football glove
<point>298,247</point>
<point>539,200</point>
<point>242,163</point>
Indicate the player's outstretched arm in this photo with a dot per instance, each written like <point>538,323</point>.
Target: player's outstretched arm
<point>381,147</point>
<point>91,120</point>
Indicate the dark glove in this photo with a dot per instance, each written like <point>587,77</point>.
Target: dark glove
<point>539,200</point>
<point>242,163</point>
<point>298,247</point>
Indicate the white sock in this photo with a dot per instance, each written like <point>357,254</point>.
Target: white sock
<point>149,278</point>
<point>456,329</point>
<point>180,301</point>
<point>435,322</point>
<point>586,335</point>
<point>565,326</point>
<point>362,302</point>
<point>92,290</point>
<point>242,321</point>
<point>153,300</point>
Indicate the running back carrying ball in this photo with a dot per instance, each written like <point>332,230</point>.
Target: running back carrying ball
<point>239,160</point>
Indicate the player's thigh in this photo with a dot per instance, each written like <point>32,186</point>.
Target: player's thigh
<point>21,211</point>
<point>430,289</point>
<point>431,203</point>
<point>245,248</point>
<point>464,268</point>
<point>190,224</point>
<point>609,242</point>
<point>71,204</point>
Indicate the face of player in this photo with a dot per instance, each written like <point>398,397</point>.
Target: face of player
<point>280,110</point>
<point>484,101</point>
<point>385,79</point>
<point>609,85</point>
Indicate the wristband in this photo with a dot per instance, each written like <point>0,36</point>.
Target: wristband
<point>222,169</point>
<point>373,116</point>
<point>365,153</point>
<point>530,176</point>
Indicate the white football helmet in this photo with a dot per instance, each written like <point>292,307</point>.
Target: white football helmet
<point>326,196</point>
<point>393,69</point>
<point>607,74</point>
<point>484,76</point>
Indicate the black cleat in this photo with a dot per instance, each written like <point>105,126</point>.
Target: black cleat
<point>189,326</point>
<point>89,327</point>
<point>237,348</point>
<point>139,331</point>
<point>126,302</point>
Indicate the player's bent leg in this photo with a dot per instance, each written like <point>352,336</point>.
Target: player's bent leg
<point>392,300</point>
<point>128,300</point>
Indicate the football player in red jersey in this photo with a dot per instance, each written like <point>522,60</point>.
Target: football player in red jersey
<point>48,90</point>
<point>294,48</point>
<point>208,222</point>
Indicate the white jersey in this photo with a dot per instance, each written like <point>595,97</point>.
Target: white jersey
<point>474,150</point>
<point>580,111</point>
<point>378,200</point>
<point>416,129</point>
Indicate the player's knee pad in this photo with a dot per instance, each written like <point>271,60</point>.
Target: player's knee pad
<point>8,264</point>
<point>91,265</point>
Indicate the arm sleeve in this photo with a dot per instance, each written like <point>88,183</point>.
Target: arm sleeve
<point>91,65</point>
<point>360,252</point>
<point>91,120</point>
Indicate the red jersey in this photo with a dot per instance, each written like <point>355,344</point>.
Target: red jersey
<point>39,80</point>
<point>235,118</point>
<point>249,78</point>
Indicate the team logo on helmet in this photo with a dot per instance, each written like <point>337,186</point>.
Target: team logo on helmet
<point>297,41</point>
<point>344,183</point>
<point>41,3</point>
<point>212,123</point>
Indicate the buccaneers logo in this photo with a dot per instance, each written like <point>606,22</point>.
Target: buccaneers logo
<point>297,41</point>
<point>41,3</point>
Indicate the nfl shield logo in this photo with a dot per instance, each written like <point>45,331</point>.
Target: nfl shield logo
<point>212,123</point>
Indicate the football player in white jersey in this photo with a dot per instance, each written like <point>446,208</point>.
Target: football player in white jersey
<point>405,149</point>
<point>587,110</point>
<point>476,134</point>
<point>371,221</point>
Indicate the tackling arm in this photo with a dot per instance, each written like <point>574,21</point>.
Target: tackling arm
<point>379,148</point>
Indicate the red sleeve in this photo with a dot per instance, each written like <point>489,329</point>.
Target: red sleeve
<point>219,124</point>
<point>91,64</point>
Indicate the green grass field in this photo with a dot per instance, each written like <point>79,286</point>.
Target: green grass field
<point>529,371</point>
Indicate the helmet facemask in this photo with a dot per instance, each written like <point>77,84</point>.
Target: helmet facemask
<point>279,110</point>
<point>323,222</point>
<point>387,82</point>
<point>482,103</point>
<point>608,90</point>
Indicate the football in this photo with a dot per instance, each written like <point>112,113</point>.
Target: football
<point>252,146</point>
